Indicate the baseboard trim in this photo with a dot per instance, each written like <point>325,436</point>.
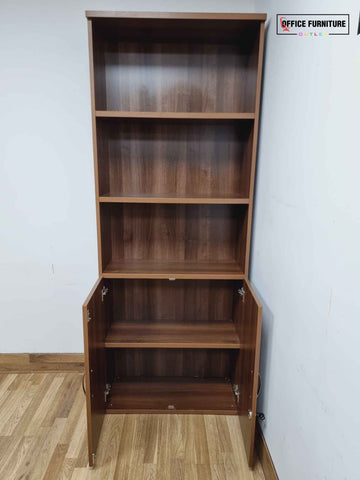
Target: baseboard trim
<point>264,455</point>
<point>41,362</point>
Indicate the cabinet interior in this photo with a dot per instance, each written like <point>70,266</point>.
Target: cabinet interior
<point>163,336</point>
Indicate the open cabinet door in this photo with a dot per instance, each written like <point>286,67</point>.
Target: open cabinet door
<point>94,321</point>
<point>248,323</point>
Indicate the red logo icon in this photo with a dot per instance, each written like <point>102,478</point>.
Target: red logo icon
<point>283,24</point>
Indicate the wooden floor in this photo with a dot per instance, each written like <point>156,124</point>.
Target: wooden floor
<point>43,436</point>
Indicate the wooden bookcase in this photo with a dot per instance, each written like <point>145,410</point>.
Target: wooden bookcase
<point>173,325</point>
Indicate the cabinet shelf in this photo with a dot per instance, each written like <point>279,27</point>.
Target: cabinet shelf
<point>158,269</point>
<point>113,197</point>
<point>173,335</point>
<point>176,115</point>
<point>172,395</point>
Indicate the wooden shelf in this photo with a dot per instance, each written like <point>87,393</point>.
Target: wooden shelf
<point>158,269</point>
<point>112,197</point>
<point>172,395</point>
<point>173,335</point>
<point>176,115</point>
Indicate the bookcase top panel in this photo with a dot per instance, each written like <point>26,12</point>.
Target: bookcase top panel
<point>231,28</point>
<point>176,15</point>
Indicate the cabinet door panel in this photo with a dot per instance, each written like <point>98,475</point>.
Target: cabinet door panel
<point>248,323</point>
<point>94,321</point>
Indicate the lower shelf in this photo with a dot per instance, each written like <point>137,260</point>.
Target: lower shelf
<point>172,395</point>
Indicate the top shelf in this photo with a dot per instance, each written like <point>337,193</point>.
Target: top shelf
<point>175,115</point>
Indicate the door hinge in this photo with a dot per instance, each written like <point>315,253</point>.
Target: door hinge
<point>236,392</point>
<point>88,315</point>
<point>241,292</point>
<point>250,414</point>
<point>104,292</point>
<point>93,458</point>
<point>107,391</point>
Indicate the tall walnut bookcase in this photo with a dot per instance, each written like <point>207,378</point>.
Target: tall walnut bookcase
<point>172,324</point>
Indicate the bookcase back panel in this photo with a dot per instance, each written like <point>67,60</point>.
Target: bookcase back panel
<point>170,157</point>
<point>180,301</point>
<point>162,232</point>
<point>198,68</point>
<point>173,363</point>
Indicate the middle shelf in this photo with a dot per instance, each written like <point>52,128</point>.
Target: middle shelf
<point>173,198</point>
<point>181,314</point>
<point>175,115</point>
<point>173,335</point>
<point>174,159</point>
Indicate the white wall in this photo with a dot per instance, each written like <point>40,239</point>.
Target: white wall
<point>48,256</point>
<point>306,241</point>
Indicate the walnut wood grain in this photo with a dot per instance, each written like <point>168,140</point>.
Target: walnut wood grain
<point>248,317</point>
<point>173,270</point>
<point>257,68</point>
<point>200,363</point>
<point>96,78</point>
<point>175,158</point>
<point>95,318</point>
<point>159,237</point>
<point>181,301</point>
<point>175,115</point>
<point>172,395</point>
<point>173,335</point>
<point>113,197</point>
<point>199,71</point>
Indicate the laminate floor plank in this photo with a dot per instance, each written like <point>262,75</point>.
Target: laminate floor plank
<point>43,437</point>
